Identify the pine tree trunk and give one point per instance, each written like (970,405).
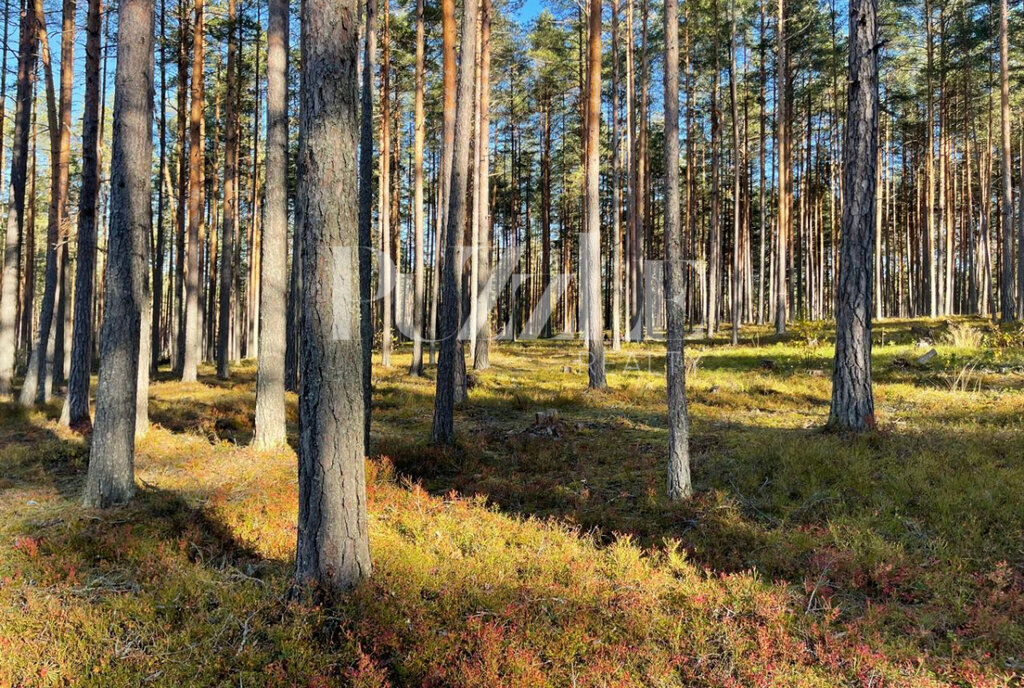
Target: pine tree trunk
(270,409)
(110,478)
(365,208)
(1007,308)
(481,355)
(229,226)
(419,123)
(853,406)
(384,214)
(38,384)
(455,220)
(782,159)
(28,53)
(333,545)
(679,484)
(590,242)
(77,403)
(196,204)
(616,190)
(737,171)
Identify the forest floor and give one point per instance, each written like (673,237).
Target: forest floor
(546,554)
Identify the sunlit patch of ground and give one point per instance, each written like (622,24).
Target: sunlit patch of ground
(535,555)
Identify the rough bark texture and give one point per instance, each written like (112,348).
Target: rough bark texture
(455,221)
(782,158)
(81,344)
(270,411)
(416,367)
(196,188)
(27,57)
(590,242)
(38,387)
(482,352)
(853,405)
(679,485)
(112,459)
(333,548)
(1007,308)
(366,206)
(229,226)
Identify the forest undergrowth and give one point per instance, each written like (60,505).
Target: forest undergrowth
(542,551)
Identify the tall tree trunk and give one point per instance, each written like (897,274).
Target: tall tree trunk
(183,189)
(365,207)
(156,329)
(28,53)
(38,383)
(110,478)
(62,333)
(715,239)
(196,191)
(333,543)
(853,405)
(455,220)
(230,223)
(481,356)
(81,346)
(590,242)
(679,484)
(782,158)
(270,409)
(384,214)
(616,189)
(737,153)
(1007,309)
(419,124)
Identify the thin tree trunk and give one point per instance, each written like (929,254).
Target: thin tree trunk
(38,384)
(230,223)
(616,190)
(419,124)
(455,220)
(590,242)
(384,213)
(481,355)
(77,403)
(782,158)
(365,235)
(28,52)
(196,203)
(1007,308)
(737,171)
(679,483)
(270,409)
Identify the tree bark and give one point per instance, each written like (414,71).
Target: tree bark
(229,226)
(110,478)
(782,158)
(419,124)
(1007,308)
(853,405)
(366,208)
(590,244)
(481,355)
(196,191)
(81,346)
(679,484)
(455,220)
(270,409)
(333,545)
(28,53)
